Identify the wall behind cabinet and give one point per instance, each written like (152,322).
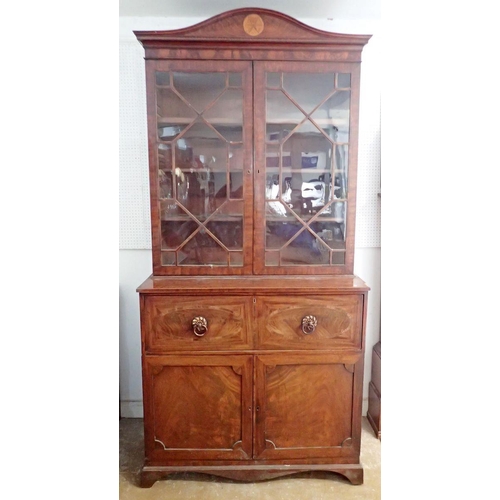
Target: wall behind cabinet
(135,237)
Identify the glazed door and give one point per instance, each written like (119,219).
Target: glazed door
(199,407)
(307,405)
(200,143)
(305,166)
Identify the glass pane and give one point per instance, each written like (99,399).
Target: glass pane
(278,234)
(168,258)
(235,158)
(332,233)
(165,182)
(313,194)
(236,185)
(162,78)
(235,80)
(306,169)
(309,149)
(229,233)
(333,116)
(308,89)
(305,249)
(201,168)
(231,208)
(334,210)
(236,259)
(170,210)
(175,232)
(272,258)
(272,157)
(282,116)
(272,187)
(341,158)
(201,147)
(340,186)
(338,258)
(343,80)
(200,89)
(173,114)
(273,79)
(165,171)
(226,115)
(201,192)
(202,250)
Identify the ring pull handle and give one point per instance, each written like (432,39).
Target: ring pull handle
(309,324)
(200,326)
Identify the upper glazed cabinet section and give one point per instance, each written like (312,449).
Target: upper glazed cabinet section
(253,141)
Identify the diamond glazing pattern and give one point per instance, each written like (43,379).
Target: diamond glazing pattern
(135,224)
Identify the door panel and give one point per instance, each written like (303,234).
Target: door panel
(307,405)
(200,407)
(305,167)
(200,141)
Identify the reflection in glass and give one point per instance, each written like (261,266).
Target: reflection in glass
(169,209)
(226,115)
(200,168)
(175,232)
(333,116)
(230,234)
(202,249)
(272,258)
(168,258)
(279,234)
(234,80)
(236,185)
(306,168)
(299,246)
(162,78)
(173,114)
(236,259)
(343,80)
(231,208)
(200,89)
(282,116)
(235,158)
(308,89)
(273,79)
(272,156)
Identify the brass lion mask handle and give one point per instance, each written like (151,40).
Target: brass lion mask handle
(200,326)
(309,324)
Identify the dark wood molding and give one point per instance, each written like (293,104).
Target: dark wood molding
(228,27)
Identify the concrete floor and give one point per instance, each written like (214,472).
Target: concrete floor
(198,486)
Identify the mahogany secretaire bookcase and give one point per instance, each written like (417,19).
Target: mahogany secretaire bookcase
(253,324)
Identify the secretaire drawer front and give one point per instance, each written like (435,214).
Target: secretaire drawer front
(310,323)
(196,323)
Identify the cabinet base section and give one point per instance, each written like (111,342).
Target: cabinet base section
(251,473)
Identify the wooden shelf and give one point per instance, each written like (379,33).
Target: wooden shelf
(163,121)
(306,170)
(277,218)
(203,218)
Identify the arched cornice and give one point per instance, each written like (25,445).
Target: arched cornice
(251,25)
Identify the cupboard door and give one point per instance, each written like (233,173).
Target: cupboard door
(200,142)
(305,166)
(308,406)
(199,407)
